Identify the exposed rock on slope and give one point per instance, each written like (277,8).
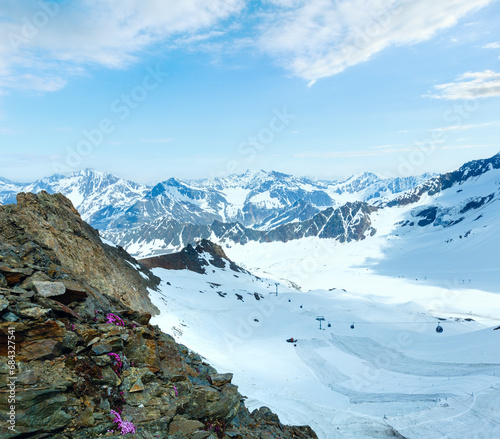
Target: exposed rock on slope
(441,182)
(196,259)
(88,366)
(349,222)
(50,225)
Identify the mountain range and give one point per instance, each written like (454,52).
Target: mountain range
(263,206)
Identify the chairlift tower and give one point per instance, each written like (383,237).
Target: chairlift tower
(277,284)
(320,319)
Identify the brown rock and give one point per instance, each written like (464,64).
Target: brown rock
(86,419)
(221,379)
(49,329)
(34,312)
(137,387)
(183,426)
(74,291)
(89,334)
(14,276)
(109,377)
(39,350)
(143,352)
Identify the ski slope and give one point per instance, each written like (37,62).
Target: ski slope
(391,373)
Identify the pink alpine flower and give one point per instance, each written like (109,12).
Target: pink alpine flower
(124,426)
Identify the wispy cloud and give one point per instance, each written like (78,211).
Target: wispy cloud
(319,38)
(467,127)
(492,46)
(471,85)
(59,38)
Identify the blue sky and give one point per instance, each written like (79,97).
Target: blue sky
(149,89)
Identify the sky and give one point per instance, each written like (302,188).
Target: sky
(153,89)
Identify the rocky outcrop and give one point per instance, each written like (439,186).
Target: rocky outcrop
(86,365)
(45,231)
(196,259)
(350,222)
(81,367)
(441,182)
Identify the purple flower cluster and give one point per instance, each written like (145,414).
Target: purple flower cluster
(112,318)
(124,426)
(118,360)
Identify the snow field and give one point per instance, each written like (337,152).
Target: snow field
(392,372)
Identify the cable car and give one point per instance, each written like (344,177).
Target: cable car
(439,329)
(352,326)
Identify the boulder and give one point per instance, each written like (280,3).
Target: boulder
(221,379)
(49,289)
(182,427)
(34,312)
(39,349)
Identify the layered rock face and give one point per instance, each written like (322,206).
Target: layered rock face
(45,231)
(84,364)
(195,259)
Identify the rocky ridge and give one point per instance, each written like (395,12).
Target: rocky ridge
(195,259)
(45,231)
(86,364)
(350,222)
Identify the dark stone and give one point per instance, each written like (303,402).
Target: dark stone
(69,341)
(36,410)
(101,348)
(10,317)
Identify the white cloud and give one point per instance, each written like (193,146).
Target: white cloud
(78,33)
(321,38)
(471,85)
(48,41)
(492,46)
(467,127)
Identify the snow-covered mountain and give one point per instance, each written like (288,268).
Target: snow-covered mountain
(99,197)
(171,213)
